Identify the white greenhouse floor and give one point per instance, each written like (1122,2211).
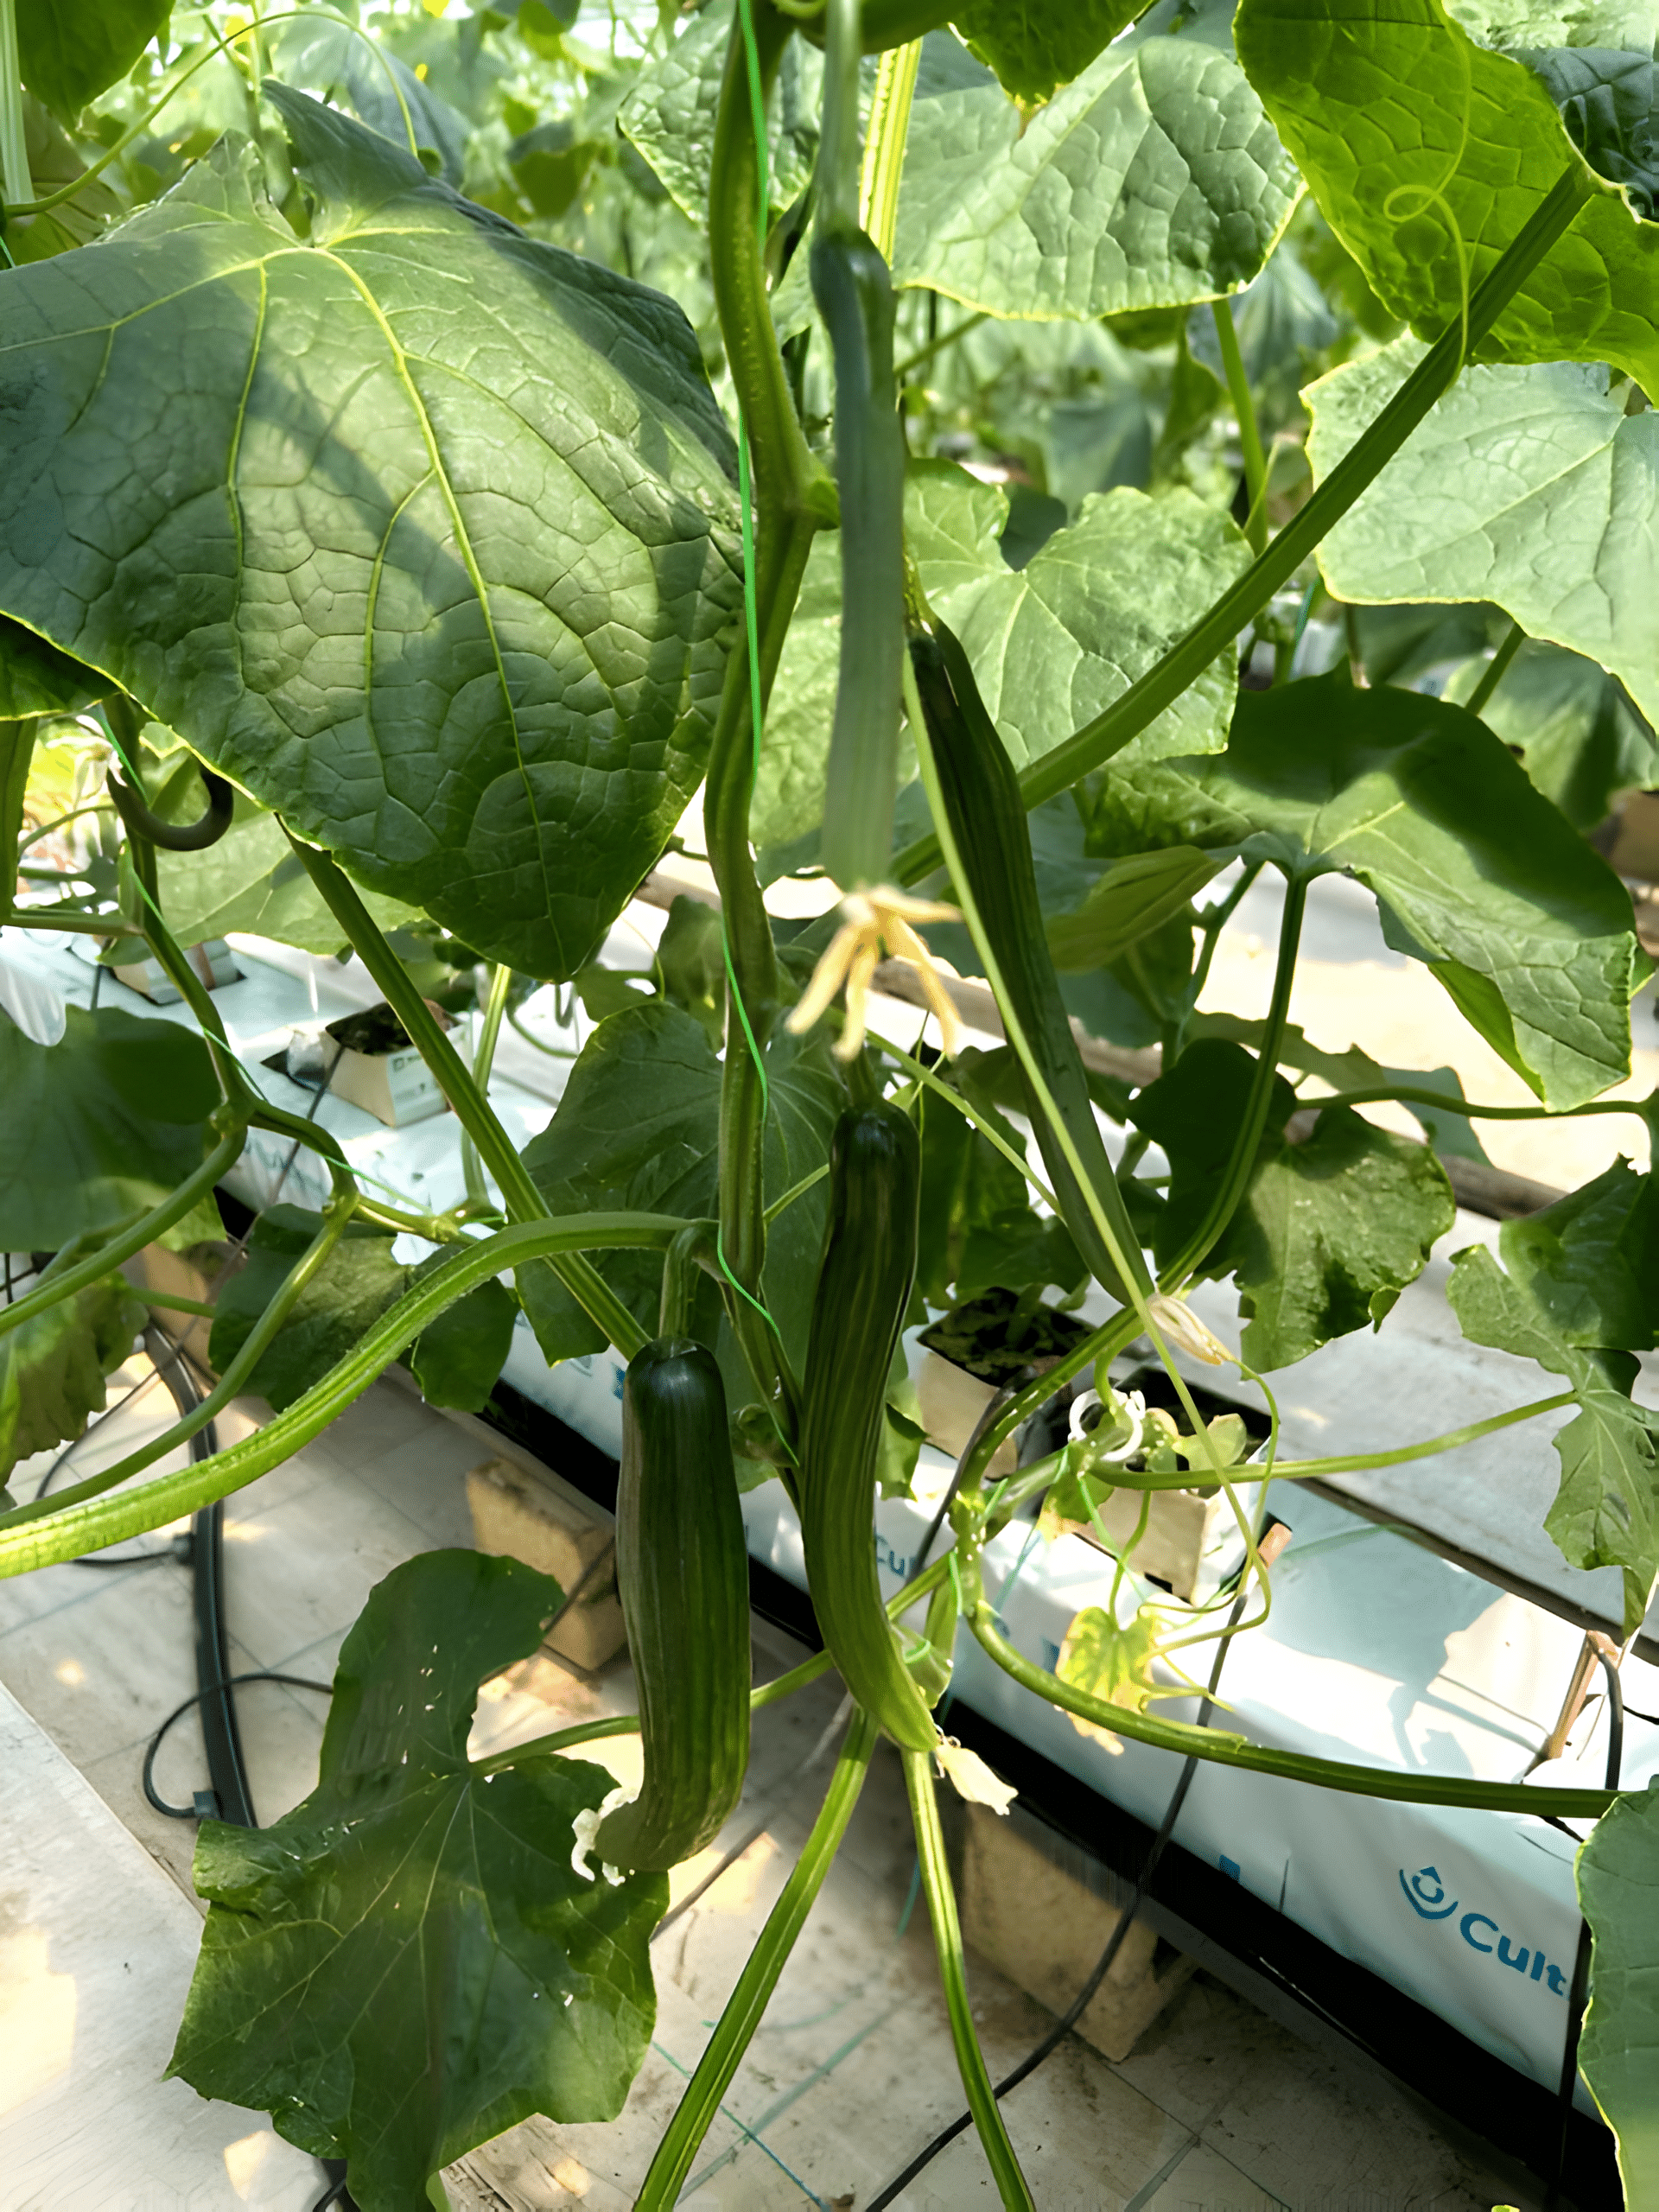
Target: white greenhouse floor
(1217,2109)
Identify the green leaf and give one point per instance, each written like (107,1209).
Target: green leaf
(690,954)
(479,658)
(16,752)
(1511,460)
(669,114)
(1153,179)
(1577,1293)
(252,879)
(1051,644)
(99,1126)
(345,1297)
(457,1358)
(52,1369)
(639,1127)
(978,1227)
(1580,739)
(71,50)
(1036,49)
(1135,896)
(1330,1230)
(1427,155)
(502,1982)
(35,678)
(1527,929)
(1447,1130)
(1617,1872)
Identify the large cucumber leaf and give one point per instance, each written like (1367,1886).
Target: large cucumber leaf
(1153,179)
(1331,1229)
(1577,1291)
(35,678)
(1051,644)
(421,532)
(99,1126)
(1042,45)
(424,1965)
(1527,929)
(1618,1874)
(1427,154)
(1511,460)
(69,51)
(669,114)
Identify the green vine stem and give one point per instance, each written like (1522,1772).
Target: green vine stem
(1493,675)
(1249,433)
(524,1201)
(1092,746)
(68,1532)
(1409,1095)
(1260,1758)
(1247,1138)
(495,1005)
(735,2028)
(947,1942)
(144,1229)
(336,1217)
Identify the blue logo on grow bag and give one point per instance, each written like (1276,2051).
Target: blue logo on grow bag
(1425,1893)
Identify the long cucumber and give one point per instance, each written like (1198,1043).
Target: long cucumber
(981,795)
(864,1286)
(682,1572)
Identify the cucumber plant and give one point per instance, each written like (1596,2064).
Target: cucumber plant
(1304,355)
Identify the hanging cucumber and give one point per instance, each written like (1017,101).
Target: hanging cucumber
(864,1285)
(682,1570)
(981,795)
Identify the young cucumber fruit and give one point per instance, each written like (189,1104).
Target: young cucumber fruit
(682,1572)
(864,1283)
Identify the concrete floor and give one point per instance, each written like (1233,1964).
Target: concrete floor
(852,2070)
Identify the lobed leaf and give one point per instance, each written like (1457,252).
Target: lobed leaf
(1428,154)
(53,1368)
(420,530)
(1578,1291)
(408,1962)
(1510,459)
(1618,1871)
(99,1126)
(1153,179)
(1528,930)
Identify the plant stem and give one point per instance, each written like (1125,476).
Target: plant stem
(947,1942)
(923,354)
(735,2029)
(133,1237)
(15,178)
(65,1534)
(1249,434)
(1411,1095)
(472,1167)
(1247,1139)
(1261,1758)
(1310,1470)
(1093,744)
(523,1200)
(1494,672)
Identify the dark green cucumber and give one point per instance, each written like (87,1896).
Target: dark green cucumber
(988,822)
(864,1285)
(682,1570)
